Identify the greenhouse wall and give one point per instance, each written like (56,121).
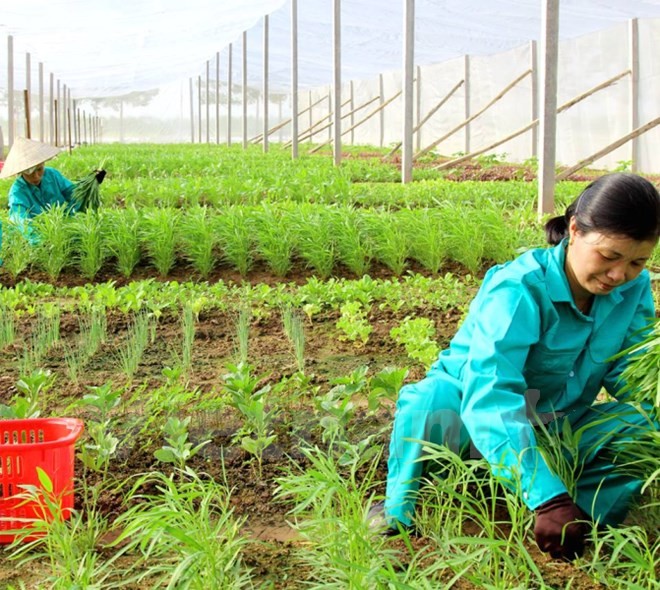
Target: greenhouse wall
(582,129)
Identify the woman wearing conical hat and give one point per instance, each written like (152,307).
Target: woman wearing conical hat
(37,187)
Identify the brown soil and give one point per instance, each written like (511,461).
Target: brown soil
(273,559)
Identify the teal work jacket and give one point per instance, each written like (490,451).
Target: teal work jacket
(525,336)
(26,200)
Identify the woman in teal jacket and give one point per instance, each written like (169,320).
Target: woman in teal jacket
(544,328)
(37,187)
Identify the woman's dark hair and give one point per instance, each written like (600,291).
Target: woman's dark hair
(618,204)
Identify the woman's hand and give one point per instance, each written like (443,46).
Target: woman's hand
(561,527)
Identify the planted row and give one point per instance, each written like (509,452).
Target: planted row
(323,238)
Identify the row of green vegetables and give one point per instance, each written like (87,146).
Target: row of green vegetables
(185,175)
(410,292)
(322,237)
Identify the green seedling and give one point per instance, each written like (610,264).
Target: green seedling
(417,335)
(32,387)
(179,449)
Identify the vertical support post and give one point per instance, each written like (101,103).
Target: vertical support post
(73,122)
(533,65)
(245,92)
(51,110)
(57,121)
(330,115)
(58,117)
(199,108)
(294,79)
(217,97)
(26,102)
(633,33)
(68,125)
(418,109)
(41,102)
(351,102)
(408,67)
(548,114)
(381,114)
(230,95)
(208,103)
(466,106)
(311,117)
(11,131)
(192,112)
(28,96)
(336,93)
(62,103)
(121,123)
(265,86)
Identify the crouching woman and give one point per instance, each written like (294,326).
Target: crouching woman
(550,322)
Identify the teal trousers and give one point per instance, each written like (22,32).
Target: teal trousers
(430,413)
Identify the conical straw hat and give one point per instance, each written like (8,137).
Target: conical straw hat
(24,154)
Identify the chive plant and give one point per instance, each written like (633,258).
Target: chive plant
(137,339)
(329,501)
(316,238)
(388,235)
(123,239)
(17,252)
(354,247)
(54,249)
(275,239)
(425,234)
(295,331)
(183,535)
(479,528)
(159,238)
(198,240)
(7,326)
(235,235)
(88,242)
(242,322)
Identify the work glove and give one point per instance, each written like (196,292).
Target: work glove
(556,530)
(100,175)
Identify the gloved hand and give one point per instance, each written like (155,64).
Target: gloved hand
(556,530)
(100,175)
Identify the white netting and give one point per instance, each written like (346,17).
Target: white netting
(150,50)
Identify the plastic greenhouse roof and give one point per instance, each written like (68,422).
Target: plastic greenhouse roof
(113,47)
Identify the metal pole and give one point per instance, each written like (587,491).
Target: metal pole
(10,91)
(381,88)
(230,96)
(294,78)
(51,110)
(192,113)
(467,108)
(351,106)
(217,97)
(408,73)
(245,93)
(265,87)
(208,105)
(336,102)
(633,29)
(548,118)
(533,58)
(28,96)
(199,108)
(41,102)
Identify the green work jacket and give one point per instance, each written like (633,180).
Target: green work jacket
(524,336)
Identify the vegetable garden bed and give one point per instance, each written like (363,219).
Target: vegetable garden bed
(237,420)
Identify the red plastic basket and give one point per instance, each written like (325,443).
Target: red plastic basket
(48,443)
